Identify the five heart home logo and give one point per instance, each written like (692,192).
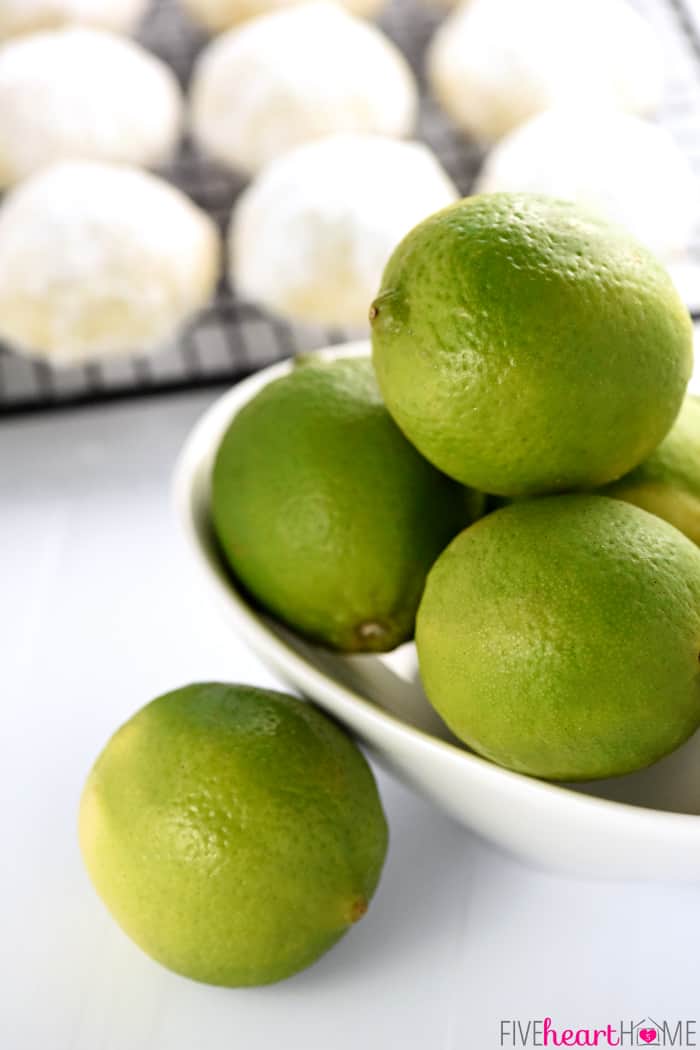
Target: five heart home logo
(543,1032)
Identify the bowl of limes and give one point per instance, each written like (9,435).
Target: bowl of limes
(473,542)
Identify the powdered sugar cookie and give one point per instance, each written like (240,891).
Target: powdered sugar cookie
(100,259)
(27,16)
(73,94)
(311,235)
(494,63)
(294,76)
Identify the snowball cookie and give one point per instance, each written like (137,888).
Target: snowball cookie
(631,170)
(310,236)
(218,15)
(27,16)
(297,75)
(494,63)
(72,94)
(100,259)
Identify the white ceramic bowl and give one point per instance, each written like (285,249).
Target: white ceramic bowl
(646,825)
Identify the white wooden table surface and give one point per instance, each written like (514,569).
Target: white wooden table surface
(98,614)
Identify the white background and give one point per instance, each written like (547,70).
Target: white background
(99,613)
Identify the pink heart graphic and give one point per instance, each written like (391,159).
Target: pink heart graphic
(647,1035)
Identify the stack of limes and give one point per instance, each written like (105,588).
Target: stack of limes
(529,348)
(522,348)
(525,348)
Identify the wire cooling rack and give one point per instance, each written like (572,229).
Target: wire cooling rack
(232,338)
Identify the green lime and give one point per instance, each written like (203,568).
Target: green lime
(524,345)
(559,637)
(326,513)
(234,833)
(668,482)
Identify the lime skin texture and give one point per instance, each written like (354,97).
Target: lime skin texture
(526,346)
(559,637)
(234,833)
(668,482)
(325,512)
